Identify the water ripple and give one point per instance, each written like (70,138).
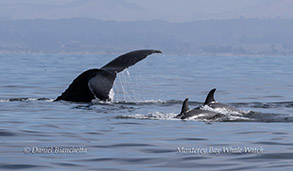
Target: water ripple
(189,139)
(154,151)
(273,143)
(265,157)
(6,133)
(124,160)
(123,145)
(19,166)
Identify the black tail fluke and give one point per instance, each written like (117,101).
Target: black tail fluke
(97,83)
(210,98)
(127,60)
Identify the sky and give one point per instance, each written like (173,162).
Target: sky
(130,10)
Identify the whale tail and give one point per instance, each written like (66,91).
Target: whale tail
(98,82)
(127,60)
(210,97)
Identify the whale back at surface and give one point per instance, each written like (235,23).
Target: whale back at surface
(214,109)
(211,102)
(197,112)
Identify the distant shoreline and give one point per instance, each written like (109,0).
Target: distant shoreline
(119,52)
(230,37)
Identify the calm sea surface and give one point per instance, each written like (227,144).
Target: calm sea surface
(137,131)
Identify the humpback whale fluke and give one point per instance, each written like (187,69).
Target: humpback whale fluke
(98,82)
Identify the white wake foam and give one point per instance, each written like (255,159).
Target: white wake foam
(151,116)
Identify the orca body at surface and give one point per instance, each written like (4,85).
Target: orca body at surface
(196,113)
(97,83)
(212,103)
(211,109)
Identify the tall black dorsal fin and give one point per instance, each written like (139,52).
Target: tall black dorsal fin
(98,82)
(127,60)
(185,107)
(210,98)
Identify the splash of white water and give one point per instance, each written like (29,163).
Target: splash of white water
(151,116)
(111,94)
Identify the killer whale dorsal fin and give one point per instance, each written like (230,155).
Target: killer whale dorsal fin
(210,97)
(185,107)
(127,60)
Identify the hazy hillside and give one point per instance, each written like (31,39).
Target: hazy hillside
(237,36)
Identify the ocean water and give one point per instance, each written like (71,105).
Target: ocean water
(137,130)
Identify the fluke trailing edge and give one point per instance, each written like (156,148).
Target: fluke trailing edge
(97,83)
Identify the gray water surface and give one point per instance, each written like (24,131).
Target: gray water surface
(137,131)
